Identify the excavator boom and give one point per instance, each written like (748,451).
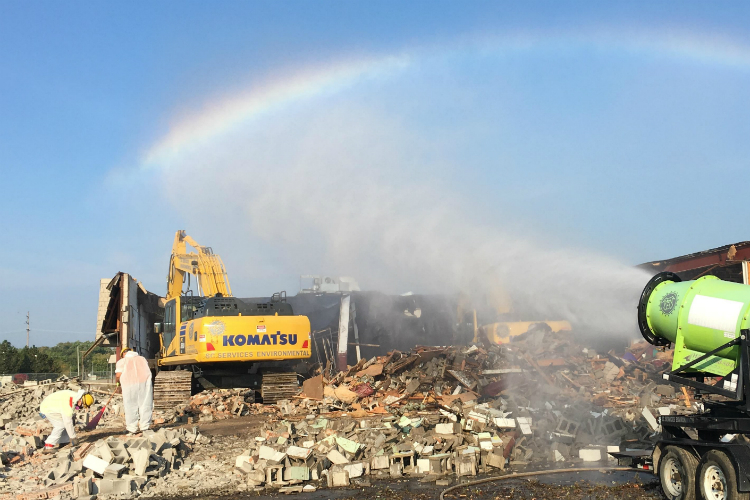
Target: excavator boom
(204,264)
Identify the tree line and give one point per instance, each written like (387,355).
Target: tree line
(57,359)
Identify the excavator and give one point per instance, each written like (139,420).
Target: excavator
(491,319)
(216,340)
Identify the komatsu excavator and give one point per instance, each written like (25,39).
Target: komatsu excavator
(216,340)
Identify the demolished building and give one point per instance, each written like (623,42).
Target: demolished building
(728,262)
(126,315)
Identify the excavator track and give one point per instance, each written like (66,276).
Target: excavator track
(172,388)
(278,386)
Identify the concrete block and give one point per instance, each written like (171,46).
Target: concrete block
(347,445)
(466,465)
(524,423)
(449,428)
(297,473)
(274,475)
(95,463)
(337,458)
(354,470)
(298,453)
(244,466)
(397,469)
(505,423)
(106,487)
(496,460)
(274,457)
(113,471)
(340,478)
(380,462)
(590,455)
(141,458)
(423,466)
(257,476)
(104,452)
(121,486)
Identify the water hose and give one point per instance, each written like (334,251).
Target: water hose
(517,475)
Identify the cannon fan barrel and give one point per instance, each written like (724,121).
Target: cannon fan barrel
(697,316)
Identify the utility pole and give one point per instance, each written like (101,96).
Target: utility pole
(27,329)
(78,363)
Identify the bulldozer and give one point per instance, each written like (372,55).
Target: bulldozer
(215,340)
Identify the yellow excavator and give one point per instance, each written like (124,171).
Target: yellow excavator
(491,319)
(216,340)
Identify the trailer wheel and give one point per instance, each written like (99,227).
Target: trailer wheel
(717,478)
(677,473)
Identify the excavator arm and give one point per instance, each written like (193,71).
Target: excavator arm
(204,264)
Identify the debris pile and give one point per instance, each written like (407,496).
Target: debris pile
(23,430)
(438,412)
(434,413)
(215,404)
(121,466)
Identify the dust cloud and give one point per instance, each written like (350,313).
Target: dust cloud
(355,193)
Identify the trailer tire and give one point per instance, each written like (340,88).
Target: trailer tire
(677,468)
(717,478)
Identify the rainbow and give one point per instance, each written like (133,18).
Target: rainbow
(224,116)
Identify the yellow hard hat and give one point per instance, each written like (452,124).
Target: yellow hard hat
(87,400)
(124,350)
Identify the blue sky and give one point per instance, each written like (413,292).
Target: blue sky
(612,130)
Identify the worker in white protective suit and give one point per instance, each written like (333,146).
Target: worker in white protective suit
(59,408)
(134,376)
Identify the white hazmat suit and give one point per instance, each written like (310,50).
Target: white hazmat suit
(137,391)
(58,409)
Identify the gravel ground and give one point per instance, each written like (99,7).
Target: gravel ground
(586,486)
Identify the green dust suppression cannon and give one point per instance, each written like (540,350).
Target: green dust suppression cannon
(698,317)
(706,453)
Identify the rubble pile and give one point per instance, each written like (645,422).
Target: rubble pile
(23,430)
(120,466)
(434,413)
(456,411)
(215,404)
(18,404)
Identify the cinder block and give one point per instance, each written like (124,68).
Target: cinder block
(397,469)
(298,453)
(121,487)
(297,473)
(336,457)
(380,462)
(354,470)
(590,455)
(496,460)
(340,478)
(449,428)
(141,458)
(96,464)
